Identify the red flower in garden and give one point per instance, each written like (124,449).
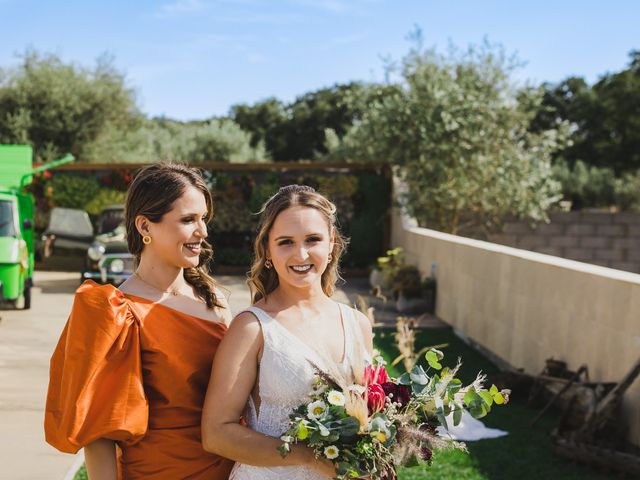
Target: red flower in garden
(376,398)
(47,174)
(375,375)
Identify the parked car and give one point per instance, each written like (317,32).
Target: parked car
(108,258)
(102,257)
(68,235)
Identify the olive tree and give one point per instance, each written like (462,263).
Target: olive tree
(59,107)
(457,130)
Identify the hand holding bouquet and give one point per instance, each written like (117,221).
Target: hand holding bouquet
(370,423)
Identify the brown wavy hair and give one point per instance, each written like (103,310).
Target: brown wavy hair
(261,280)
(152,194)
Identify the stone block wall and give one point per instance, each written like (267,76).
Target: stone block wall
(525,307)
(601,238)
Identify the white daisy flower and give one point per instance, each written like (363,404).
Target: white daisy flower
(316,409)
(336,398)
(331,452)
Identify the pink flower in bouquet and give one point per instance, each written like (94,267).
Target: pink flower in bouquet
(376,398)
(375,375)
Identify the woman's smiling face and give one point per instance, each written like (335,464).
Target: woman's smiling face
(178,237)
(299,246)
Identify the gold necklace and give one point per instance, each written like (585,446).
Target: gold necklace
(174,291)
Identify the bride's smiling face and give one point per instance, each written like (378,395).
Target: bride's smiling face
(299,245)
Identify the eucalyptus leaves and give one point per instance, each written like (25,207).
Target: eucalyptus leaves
(369,427)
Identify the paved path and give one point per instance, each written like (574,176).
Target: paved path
(27,340)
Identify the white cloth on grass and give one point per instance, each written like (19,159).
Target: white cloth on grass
(469,429)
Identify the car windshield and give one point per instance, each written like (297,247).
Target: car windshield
(70,222)
(7,223)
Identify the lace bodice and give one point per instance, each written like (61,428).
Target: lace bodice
(285,379)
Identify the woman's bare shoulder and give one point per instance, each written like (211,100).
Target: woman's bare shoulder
(246,320)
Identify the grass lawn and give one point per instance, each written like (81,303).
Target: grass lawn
(524,454)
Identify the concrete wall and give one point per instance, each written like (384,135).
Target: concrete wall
(526,307)
(601,238)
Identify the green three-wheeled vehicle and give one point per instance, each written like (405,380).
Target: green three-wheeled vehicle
(17,248)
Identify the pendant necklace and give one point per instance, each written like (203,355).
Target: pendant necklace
(175,291)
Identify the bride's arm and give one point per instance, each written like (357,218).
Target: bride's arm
(233,377)
(366,331)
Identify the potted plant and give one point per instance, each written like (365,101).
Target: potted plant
(411,293)
(382,274)
(406,282)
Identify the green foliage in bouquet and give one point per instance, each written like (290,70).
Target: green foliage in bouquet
(374,423)
(448,392)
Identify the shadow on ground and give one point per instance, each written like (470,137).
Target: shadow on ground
(59,286)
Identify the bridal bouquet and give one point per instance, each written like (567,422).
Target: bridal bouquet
(370,423)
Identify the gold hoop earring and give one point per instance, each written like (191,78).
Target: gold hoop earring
(268,264)
(330,258)
(146,239)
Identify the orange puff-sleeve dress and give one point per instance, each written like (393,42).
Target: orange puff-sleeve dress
(136,372)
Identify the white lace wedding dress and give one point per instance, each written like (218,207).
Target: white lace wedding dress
(285,379)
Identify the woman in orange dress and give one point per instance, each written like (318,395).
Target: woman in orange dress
(130,371)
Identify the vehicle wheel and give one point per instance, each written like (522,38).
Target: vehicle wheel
(27,297)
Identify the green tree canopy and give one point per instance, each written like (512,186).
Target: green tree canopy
(605,117)
(297,131)
(457,128)
(60,108)
(215,140)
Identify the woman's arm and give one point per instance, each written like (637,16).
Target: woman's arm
(100,458)
(233,377)
(366,330)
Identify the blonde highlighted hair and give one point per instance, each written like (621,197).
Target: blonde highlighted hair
(261,280)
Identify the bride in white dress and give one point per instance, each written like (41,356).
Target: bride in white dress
(264,367)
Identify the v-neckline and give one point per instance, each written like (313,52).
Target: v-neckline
(309,348)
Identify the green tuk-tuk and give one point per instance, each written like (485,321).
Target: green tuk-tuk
(17,247)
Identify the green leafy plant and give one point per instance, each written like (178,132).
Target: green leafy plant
(71,191)
(104,198)
(406,280)
(390,264)
(369,423)
(456,129)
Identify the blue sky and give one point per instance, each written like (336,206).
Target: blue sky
(193,59)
